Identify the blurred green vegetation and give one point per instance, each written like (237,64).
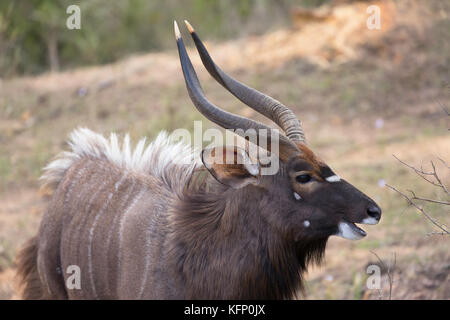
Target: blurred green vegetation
(34,37)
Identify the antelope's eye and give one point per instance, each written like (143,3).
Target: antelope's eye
(303,178)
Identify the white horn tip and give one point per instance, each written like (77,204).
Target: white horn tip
(177,30)
(188,25)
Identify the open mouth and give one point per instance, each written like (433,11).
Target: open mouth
(349,230)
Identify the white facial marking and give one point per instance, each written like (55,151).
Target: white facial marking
(349,231)
(334,178)
(306,223)
(370,220)
(297,196)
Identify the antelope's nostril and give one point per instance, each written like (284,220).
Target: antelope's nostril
(374,211)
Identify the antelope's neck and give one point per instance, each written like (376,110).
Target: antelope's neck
(224,249)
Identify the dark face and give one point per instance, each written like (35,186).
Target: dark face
(319,203)
(304,200)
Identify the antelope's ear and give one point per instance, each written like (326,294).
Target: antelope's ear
(231,166)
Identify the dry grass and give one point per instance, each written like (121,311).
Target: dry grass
(397,76)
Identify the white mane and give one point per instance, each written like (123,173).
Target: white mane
(159,158)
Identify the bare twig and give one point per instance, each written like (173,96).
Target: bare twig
(436,176)
(424,175)
(436,234)
(426,215)
(444,163)
(433,178)
(390,270)
(414,197)
(443,107)
(391,274)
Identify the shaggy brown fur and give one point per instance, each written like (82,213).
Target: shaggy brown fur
(27,272)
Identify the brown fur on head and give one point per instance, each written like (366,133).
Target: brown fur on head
(309,197)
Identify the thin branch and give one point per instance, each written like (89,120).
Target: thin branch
(443,107)
(412,203)
(391,274)
(414,197)
(389,271)
(444,163)
(380,291)
(421,173)
(435,234)
(436,176)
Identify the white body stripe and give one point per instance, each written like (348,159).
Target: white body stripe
(122,224)
(117,216)
(147,257)
(91,232)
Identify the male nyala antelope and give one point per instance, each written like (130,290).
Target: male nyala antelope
(145,225)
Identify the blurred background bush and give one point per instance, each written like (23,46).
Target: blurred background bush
(34,37)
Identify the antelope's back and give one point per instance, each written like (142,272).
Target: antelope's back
(107,219)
